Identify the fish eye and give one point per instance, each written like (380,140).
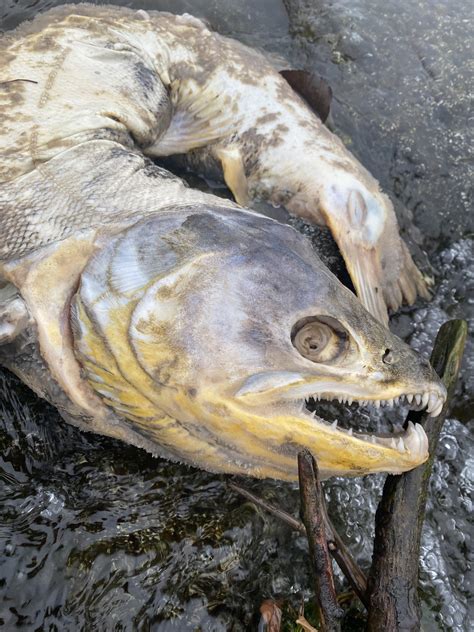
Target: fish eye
(319,338)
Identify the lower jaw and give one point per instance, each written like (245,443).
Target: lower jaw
(283,434)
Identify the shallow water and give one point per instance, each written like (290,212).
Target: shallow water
(96,535)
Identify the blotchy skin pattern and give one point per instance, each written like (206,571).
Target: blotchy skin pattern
(166,317)
(162,84)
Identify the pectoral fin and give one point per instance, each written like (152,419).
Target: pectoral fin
(234,172)
(14,316)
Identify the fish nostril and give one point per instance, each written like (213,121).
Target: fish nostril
(388,357)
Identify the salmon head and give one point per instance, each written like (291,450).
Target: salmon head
(208,329)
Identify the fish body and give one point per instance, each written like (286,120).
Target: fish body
(164,316)
(168,85)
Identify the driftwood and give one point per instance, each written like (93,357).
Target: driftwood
(343,558)
(303,623)
(336,546)
(393,581)
(312,501)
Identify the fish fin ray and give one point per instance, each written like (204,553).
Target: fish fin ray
(234,172)
(408,284)
(14,316)
(200,118)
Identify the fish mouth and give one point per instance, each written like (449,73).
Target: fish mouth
(412,440)
(432,400)
(365,451)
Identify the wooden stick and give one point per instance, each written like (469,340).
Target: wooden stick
(344,559)
(336,546)
(311,494)
(279,513)
(393,580)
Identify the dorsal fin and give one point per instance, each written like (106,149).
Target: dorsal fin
(312,88)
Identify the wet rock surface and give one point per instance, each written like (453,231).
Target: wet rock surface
(98,535)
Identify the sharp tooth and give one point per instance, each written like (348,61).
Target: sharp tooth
(416,441)
(372,439)
(349,400)
(433,403)
(418,399)
(377,403)
(340,400)
(400,445)
(390,402)
(409,398)
(425,399)
(393,444)
(437,410)
(334,425)
(396,400)
(349,432)
(424,443)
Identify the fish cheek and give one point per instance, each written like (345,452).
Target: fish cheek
(155,349)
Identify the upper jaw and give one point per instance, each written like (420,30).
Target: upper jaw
(278,387)
(431,398)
